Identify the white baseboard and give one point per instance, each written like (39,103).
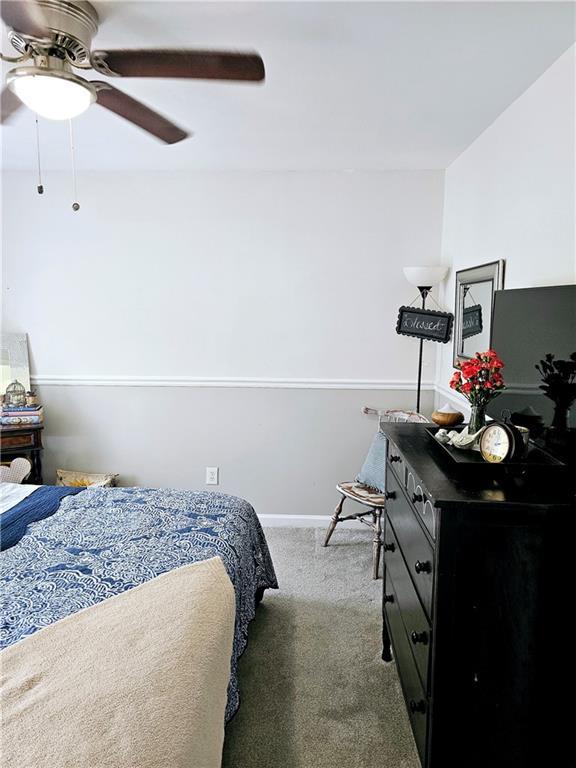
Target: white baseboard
(300,521)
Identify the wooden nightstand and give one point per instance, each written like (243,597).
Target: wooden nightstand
(23,441)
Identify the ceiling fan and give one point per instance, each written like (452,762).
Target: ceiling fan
(56,37)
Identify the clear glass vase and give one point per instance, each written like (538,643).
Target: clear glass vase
(477,418)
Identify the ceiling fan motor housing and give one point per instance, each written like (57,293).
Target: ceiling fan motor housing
(72,24)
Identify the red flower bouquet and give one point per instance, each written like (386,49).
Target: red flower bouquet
(479,380)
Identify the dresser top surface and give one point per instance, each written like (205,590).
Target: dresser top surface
(21,427)
(451,485)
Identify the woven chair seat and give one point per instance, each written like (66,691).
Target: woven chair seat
(362,493)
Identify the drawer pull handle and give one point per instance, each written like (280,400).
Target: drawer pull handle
(390,547)
(417,498)
(394,458)
(390,495)
(417,706)
(419,637)
(425,567)
(388,598)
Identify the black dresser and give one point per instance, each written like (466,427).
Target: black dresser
(479,607)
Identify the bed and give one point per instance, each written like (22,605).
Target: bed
(83,548)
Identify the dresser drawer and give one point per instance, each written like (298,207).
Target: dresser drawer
(420,501)
(416,701)
(417,550)
(396,461)
(415,622)
(25,440)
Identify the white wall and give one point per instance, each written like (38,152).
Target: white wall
(511,194)
(267,280)
(270,275)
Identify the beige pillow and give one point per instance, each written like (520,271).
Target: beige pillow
(78,479)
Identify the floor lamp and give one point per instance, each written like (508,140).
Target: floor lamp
(424,278)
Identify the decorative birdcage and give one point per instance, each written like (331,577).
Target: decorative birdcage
(15,396)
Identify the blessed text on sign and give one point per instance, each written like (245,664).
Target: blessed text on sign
(425,324)
(471,321)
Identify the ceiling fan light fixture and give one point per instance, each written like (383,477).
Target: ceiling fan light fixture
(53,95)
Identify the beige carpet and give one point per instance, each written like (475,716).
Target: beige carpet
(314,690)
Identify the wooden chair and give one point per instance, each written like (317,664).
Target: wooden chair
(369,488)
(15,472)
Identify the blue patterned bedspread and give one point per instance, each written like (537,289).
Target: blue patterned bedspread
(104,541)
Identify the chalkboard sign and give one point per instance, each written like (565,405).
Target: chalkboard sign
(425,324)
(471,321)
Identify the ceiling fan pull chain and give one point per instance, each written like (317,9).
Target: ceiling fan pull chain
(40,187)
(75,204)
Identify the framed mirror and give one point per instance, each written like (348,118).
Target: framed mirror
(473,308)
(14,360)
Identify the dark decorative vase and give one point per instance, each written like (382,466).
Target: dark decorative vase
(561,415)
(477,418)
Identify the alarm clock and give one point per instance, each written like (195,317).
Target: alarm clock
(501,441)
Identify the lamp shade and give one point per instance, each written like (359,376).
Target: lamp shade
(425,276)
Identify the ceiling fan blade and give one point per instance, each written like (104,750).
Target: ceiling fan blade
(25,16)
(139,114)
(196,65)
(9,103)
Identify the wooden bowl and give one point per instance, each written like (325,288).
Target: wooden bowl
(451,419)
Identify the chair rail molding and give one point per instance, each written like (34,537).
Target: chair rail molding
(72,380)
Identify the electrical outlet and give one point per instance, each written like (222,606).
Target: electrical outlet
(211,475)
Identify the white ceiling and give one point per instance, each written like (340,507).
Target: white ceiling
(350,85)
